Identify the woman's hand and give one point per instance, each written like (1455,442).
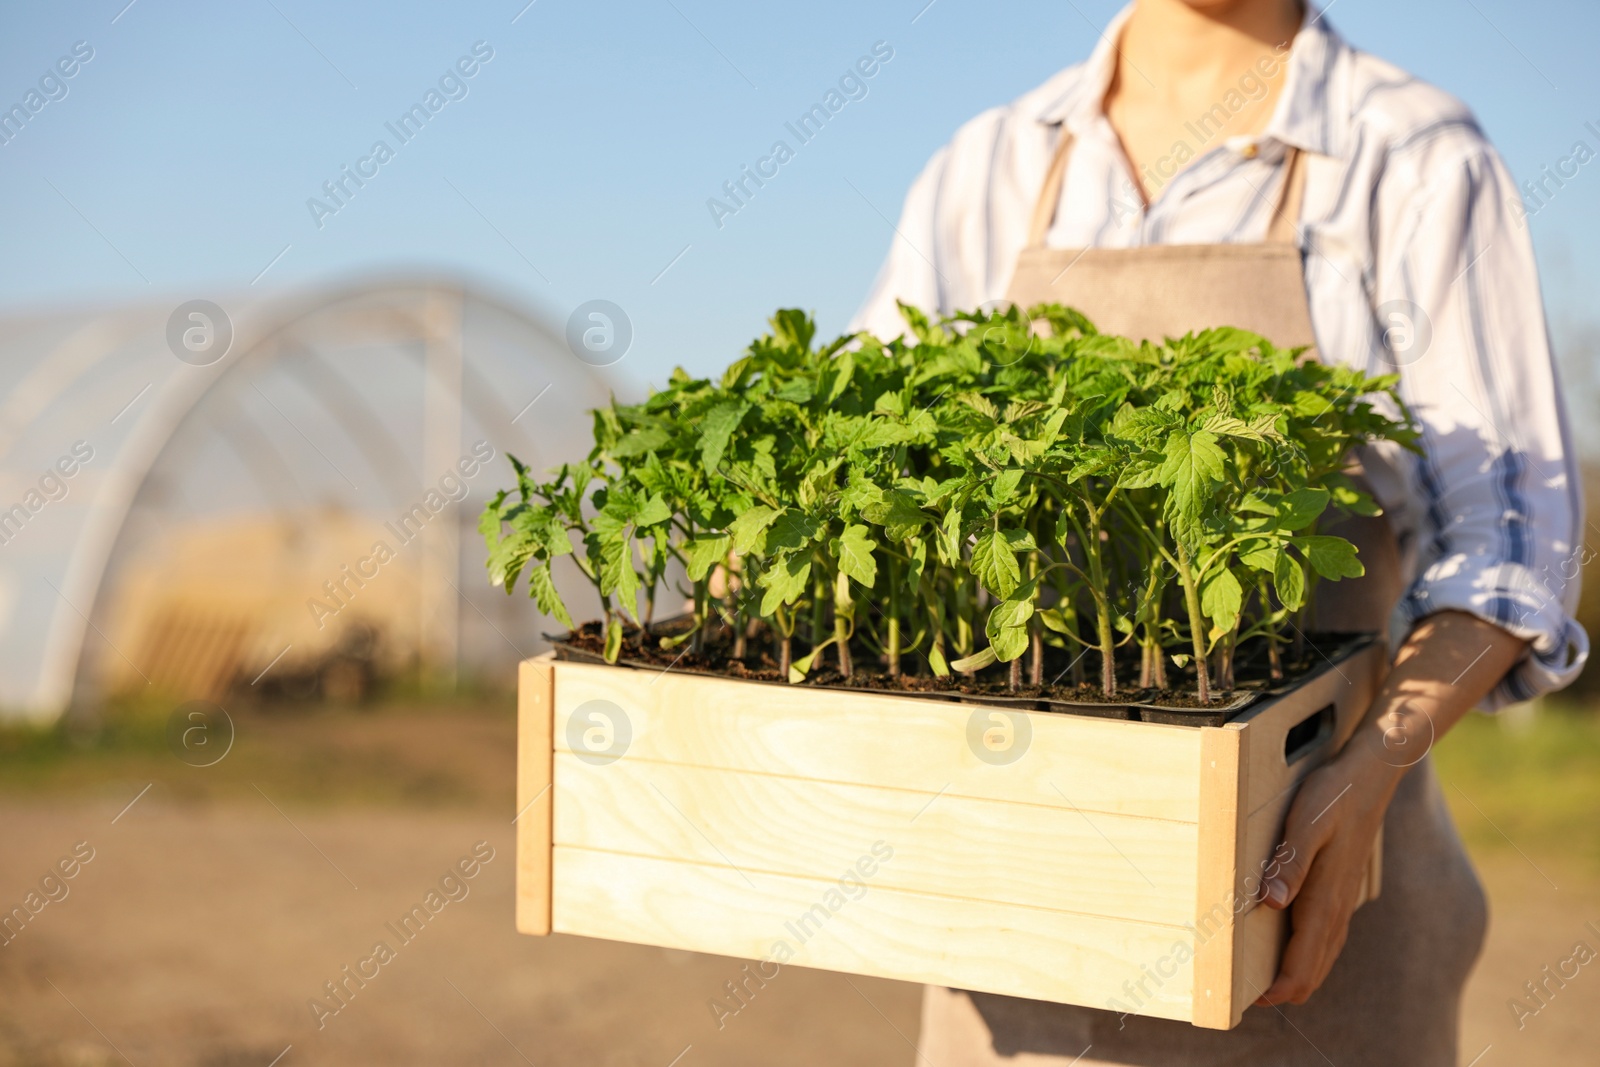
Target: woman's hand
(1447,665)
(1333,825)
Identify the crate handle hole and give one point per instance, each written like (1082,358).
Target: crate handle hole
(1306,735)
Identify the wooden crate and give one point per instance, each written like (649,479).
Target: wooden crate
(1063,858)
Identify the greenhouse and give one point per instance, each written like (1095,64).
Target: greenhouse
(275,494)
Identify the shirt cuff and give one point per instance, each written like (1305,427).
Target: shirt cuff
(1514,598)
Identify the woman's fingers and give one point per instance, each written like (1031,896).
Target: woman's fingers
(1303,839)
(1316,874)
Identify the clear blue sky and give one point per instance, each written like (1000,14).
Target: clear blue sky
(579,164)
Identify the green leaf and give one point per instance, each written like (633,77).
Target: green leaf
(950,535)
(542,587)
(1193,464)
(1019,540)
(854,552)
(1289,580)
(613,640)
(1053,619)
(1331,557)
(748,528)
(793,529)
(784,582)
(897,512)
(798,669)
(705,553)
(937,662)
(1007,626)
(1140,476)
(1004,486)
(1259,555)
(653,512)
(796,390)
(1352,499)
(716,429)
(995,565)
(1221,597)
(1301,508)
(617,576)
(975,662)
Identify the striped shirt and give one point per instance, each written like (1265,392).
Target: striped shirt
(1417,260)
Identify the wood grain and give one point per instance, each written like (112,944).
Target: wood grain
(1223,786)
(1045,854)
(536,683)
(1349,686)
(1101,765)
(892,933)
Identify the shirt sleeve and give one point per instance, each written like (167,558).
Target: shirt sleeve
(1498,498)
(909,273)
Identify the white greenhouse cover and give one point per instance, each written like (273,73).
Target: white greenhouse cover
(360,402)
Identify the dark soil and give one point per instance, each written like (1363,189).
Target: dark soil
(988,686)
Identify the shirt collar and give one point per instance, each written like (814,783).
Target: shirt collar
(1303,116)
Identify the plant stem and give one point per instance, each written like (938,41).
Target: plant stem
(819,591)
(1197,635)
(1108,651)
(781,631)
(1104,635)
(1274,658)
(841,621)
(1014,676)
(739,623)
(894,618)
(1035,631)
(963,617)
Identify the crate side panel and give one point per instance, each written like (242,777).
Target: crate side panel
(1225,762)
(535,750)
(1349,685)
(887,933)
(1263,930)
(1096,765)
(1045,855)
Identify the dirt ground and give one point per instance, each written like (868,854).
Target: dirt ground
(215,908)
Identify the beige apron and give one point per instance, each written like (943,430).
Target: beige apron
(1394,995)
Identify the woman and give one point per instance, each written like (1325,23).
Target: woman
(1235,162)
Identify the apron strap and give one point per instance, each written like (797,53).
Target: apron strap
(1044,210)
(1280,230)
(1287,214)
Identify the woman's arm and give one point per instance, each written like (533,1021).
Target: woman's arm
(1447,666)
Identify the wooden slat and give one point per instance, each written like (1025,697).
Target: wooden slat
(1099,765)
(1043,855)
(884,932)
(1349,685)
(1224,767)
(1264,930)
(535,715)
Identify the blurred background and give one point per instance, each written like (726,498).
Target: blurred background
(257,379)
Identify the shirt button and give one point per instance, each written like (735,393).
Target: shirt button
(1250,151)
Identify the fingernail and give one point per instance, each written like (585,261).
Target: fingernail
(1277,893)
